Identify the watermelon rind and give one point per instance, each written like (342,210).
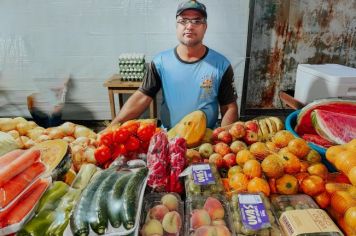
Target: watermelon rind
(304,123)
(335,127)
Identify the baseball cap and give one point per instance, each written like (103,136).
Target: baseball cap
(191,5)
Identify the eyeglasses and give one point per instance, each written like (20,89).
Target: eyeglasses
(192,21)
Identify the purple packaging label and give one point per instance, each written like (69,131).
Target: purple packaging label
(202,174)
(253,212)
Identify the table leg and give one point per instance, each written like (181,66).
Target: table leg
(112,104)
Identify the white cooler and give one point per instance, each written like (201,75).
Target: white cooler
(324,81)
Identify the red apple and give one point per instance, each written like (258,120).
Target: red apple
(216,132)
(222,149)
(225,137)
(250,137)
(252,125)
(237,130)
(216,159)
(237,146)
(229,160)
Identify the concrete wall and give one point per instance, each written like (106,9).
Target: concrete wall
(43,41)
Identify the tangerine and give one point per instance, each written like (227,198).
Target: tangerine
(313,185)
(287,184)
(291,163)
(238,182)
(252,168)
(243,156)
(272,166)
(298,147)
(282,138)
(258,185)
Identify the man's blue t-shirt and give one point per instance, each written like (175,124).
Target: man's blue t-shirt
(189,86)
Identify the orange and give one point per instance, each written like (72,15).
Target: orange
(242,156)
(287,184)
(345,160)
(272,166)
(313,185)
(319,170)
(350,217)
(332,152)
(282,138)
(272,146)
(238,182)
(291,163)
(233,170)
(252,168)
(258,185)
(323,200)
(298,147)
(352,175)
(259,150)
(341,201)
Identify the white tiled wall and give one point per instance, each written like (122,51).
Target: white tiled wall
(83,39)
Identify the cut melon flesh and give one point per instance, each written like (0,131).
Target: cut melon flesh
(335,127)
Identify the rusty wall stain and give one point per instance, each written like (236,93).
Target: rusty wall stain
(288,32)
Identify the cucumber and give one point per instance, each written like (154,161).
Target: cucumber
(98,216)
(114,202)
(129,198)
(79,223)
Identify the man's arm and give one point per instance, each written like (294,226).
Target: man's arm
(133,107)
(229,113)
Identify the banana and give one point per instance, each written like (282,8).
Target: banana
(264,129)
(271,125)
(278,122)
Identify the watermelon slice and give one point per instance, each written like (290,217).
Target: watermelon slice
(304,122)
(318,140)
(335,127)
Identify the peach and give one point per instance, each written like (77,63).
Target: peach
(172,222)
(170,201)
(200,217)
(157,212)
(206,230)
(214,208)
(218,222)
(152,227)
(222,230)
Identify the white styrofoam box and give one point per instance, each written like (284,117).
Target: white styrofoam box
(323,81)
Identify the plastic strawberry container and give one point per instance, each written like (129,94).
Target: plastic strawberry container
(204,215)
(155,209)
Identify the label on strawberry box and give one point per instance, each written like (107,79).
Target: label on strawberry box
(253,212)
(202,174)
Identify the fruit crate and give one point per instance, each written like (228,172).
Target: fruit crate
(290,123)
(162,212)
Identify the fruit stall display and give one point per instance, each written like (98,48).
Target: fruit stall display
(192,181)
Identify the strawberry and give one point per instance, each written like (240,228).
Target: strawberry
(146,131)
(132,144)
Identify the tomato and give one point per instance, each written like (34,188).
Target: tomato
(121,135)
(131,125)
(132,144)
(102,154)
(106,139)
(146,131)
(118,150)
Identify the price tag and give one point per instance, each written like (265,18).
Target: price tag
(253,212)
(202,174)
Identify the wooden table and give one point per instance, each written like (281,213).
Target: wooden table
(116,86)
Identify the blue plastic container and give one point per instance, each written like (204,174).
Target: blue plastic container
(290,123)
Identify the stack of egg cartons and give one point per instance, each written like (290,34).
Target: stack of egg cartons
(132,66)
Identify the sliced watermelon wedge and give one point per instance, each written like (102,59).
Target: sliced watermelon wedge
(333,126)
(304,122)
(318,140)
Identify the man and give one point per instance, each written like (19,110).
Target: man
(192,76)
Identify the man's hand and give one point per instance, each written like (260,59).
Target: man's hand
(229,113)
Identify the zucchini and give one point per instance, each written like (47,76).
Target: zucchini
(52,196)
(62,213)
(84,175)
(79,220)
(114,202)
(129,198)
(98,216)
